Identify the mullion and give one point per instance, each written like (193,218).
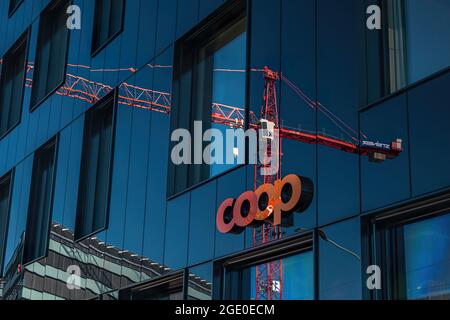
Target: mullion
(51,44)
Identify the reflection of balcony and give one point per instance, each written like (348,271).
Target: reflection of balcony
(104,269)
(198,288)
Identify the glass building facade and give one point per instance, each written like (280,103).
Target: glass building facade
(92,207)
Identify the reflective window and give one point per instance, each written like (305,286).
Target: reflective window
(228,88)
(288,278)
(427,37)
(50,65)
(274,275)
(108,22)
(427,259)
(413,44)
(200,282)
(413,251)
(12,84)
(40,205)
(5,203)
(94,189)
(210,89)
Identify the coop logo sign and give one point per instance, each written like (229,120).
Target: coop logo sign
(272,203)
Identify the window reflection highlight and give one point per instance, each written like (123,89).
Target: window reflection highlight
(427,259)
(285,278)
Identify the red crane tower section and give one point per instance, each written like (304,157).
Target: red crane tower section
(269,276)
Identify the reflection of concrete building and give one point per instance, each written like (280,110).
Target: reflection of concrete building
(103,268)
(86,118)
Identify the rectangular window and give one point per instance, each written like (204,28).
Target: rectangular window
(51,54)
(41,202)
(210,89)
(13,6)
(414,43)
(108,22)
(94,190)
(12,84)
(5,204)
(412,249)
(283,272)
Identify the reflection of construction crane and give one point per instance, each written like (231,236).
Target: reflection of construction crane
(269,276)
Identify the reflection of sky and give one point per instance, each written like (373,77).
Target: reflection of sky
(428,37)
(427,255)
(298,279)
(229,87)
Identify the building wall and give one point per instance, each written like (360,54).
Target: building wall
(320,45)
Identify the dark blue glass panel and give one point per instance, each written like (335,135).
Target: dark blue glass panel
(202,223)
(383,183)
(24,198)
(11,244)
(207,7)
(43,120)
(265,48)
(340,55)
(61,175)
(119,180)
(147,31)
(128,54)
(3,19)
(340,270)
(231,185)
(430,133)
(165,30)
(187,15)
(298,92)
(113,64)
(427,259)
(137,170)
(10,159)
(177,232)
(70,202)
(155,209)
(79,61)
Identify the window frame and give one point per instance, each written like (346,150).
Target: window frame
(54,4)
(95,51)
(185,54)
(111,97)
(381,239)
(52,143)
(6,178)
(12,9)
(284,248)
(24,39)
(182,276)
